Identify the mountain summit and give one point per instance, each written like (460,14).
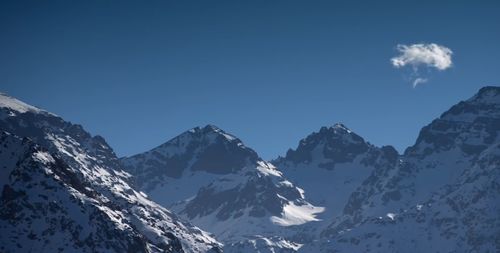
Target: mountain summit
(330,145)
(207,149)
(329,164)
(211,178)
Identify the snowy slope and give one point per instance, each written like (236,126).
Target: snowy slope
(63,190)
(221,185)
(256,201)
(460,217)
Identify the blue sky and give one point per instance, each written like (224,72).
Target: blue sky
(270,72)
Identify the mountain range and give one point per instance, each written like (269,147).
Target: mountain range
(204,190)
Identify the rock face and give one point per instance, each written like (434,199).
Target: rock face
(64,191)
(221,185)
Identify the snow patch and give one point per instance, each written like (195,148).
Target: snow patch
(268,169)
(297,214)
(391,216)
(44,157)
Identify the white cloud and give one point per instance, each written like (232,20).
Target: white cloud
(429,55)
(418,56)
(418,81)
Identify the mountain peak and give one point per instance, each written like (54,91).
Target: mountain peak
(330,145)
(337,129)
(206,128)
(210,127)
(487,95)
(484,104)
(17,106)
(468,125)
(212,130)
(208,149)
(341,126)
(207,136)
(336,132)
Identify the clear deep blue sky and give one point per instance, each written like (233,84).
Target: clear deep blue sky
(270,72)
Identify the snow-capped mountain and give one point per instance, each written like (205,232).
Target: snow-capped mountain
(442,195)
(187,162)
(331,163)
(63,191)
(221,186)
